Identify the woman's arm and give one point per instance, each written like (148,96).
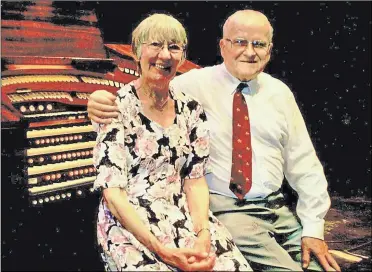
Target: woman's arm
(122,209)
(195,185)
(198,202)
(197,195)
(112,178)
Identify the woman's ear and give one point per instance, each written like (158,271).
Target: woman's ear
(138,64)
(183,58)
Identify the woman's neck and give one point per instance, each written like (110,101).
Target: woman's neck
(156,94)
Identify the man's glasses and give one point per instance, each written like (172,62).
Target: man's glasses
(242,44)
(173,48)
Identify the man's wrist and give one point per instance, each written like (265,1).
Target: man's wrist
(304,237)
(313,229)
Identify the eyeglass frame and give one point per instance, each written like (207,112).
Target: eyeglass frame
(233,42)
(158,49)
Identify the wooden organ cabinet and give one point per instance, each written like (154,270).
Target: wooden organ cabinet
(53,58)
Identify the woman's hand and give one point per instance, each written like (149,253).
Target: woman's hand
(178,257)
(202,244)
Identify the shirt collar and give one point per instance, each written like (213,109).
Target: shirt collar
(234,82)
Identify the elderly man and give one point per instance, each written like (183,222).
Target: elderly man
(258,137)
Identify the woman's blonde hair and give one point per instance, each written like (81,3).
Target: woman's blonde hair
(158,27)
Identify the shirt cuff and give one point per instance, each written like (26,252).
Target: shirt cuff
(313,229)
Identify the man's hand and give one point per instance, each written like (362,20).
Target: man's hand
(319,249)
(178,257)
(102,107)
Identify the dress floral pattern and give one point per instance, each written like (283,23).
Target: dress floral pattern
(152,163)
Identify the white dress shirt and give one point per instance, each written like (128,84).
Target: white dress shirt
(280,141)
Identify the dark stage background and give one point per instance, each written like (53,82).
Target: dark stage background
(321,50)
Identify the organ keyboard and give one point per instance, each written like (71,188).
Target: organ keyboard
(58,131)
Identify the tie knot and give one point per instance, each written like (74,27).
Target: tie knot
(241,86)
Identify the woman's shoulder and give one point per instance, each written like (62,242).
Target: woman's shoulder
(127,99)
(183,97)
(190,108)
(186,99)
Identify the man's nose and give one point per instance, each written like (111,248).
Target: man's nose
(249,50)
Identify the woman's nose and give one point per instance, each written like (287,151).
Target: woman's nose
(164,53)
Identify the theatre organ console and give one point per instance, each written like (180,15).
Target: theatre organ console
(48,72)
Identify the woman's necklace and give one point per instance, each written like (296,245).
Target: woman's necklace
(160,107)
(159,103)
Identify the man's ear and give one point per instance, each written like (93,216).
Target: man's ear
(222,44)
(270,48)
(222,47)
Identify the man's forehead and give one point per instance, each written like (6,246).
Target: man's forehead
(249,22)
(252,16)
(248,29)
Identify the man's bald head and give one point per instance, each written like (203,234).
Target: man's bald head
(246,44)
(247,17)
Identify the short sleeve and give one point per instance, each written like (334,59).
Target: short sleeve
(109,155)
(197,164)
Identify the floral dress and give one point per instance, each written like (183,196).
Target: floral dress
(152,163)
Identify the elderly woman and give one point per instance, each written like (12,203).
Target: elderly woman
(151,161)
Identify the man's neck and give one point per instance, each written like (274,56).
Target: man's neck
(246,80)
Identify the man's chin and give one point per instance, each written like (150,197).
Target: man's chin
(250,75)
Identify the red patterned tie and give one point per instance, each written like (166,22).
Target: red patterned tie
(241,169)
